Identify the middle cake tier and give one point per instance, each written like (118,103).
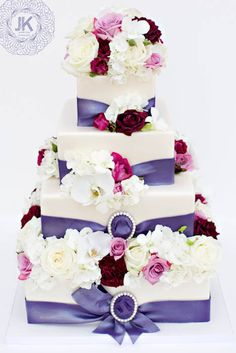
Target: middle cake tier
(169,205)
(150,153)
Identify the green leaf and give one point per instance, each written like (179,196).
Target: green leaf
(54,147)
(182,229)
(146,42)
(190,242)
(131,42)
(147,127)
(92,74)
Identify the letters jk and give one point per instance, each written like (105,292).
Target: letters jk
(22,23)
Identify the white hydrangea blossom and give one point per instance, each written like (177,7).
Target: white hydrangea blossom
(49,165)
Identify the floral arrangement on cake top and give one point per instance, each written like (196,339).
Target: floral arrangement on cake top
(129,114)
(102,178)
(116,43)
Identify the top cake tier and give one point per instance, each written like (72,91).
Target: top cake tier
(100,94)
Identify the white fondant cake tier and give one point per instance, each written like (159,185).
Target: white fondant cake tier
(103,89)
(157,202)
(138,148)
(144,292)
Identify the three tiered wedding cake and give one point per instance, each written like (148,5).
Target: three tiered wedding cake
(115,231)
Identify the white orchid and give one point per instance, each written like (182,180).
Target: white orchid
(134,29)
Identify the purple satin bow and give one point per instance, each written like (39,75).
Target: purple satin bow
(94,305)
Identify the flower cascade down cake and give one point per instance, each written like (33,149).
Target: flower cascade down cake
(115,232)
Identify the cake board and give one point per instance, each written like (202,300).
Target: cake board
(217,332)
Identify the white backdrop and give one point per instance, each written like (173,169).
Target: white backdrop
(198,86)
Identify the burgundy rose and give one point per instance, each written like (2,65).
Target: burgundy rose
(180,147)
(201,198)
(122,168)
(104,50)
(154,34)
(41,156)
(99,66)
(113,271)
(100,122)
(34,211)
(130,121)
(204,227)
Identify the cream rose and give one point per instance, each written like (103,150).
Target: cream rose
(136,256)
(136,56)
(81,52)
(58,259)
(205,253)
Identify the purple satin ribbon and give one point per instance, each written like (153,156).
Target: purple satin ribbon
(93,305)
(156,172)
(57,226)
(87,109)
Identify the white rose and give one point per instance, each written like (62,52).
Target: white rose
(135,58)
(205,253)
(136,256)
(49,165)
(84,26)
(58,259)
(81,52)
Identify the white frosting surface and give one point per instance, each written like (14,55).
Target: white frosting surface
(103,89)
(157,202)
(144,293)
(140,147)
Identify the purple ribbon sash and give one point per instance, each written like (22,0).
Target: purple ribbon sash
(58,225)
(156,172)
(87,109)
(93,305)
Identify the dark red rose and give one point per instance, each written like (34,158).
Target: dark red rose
(113,271)
(130,121)
(122,168)
(100,122)
(201,198)
(34,211)
(99,66)
(41,156)
(204,227)
(154,34)
(180,147)
(104,50)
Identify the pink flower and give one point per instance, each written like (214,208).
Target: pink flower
(24,266)
(180,146)
(184,161)
(154,61)
(118,247)
(41,156)
(100,122)
(122,168)
(99,66)
(201,198)
(107,26)
(117,188)
(155,269)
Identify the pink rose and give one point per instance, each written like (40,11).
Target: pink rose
(155,269)
(118,247)
(201,198)
(180,146)
(107,26)
(24,266)
(184,161)
(41,156)
(117,188)
(99,66)
(122,168)
(100,122)
(154,61)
